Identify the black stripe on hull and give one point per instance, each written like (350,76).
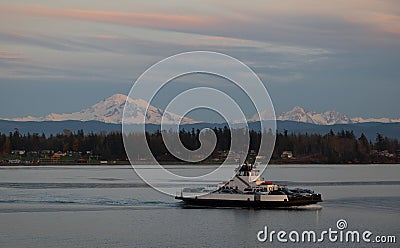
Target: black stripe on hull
(250,204)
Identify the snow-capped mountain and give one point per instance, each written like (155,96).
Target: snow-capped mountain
(327,118)
(111,109)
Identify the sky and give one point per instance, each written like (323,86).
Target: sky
(62,56)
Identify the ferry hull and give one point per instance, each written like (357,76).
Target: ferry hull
(295,201)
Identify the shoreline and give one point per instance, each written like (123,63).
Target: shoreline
(176,163)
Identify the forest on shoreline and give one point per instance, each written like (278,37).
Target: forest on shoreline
(94,148)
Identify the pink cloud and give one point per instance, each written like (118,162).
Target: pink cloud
(156,20)
(379,21)
(107,37)
(10,55)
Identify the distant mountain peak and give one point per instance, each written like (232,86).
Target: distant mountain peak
(110,110)
(330,117)
(298,109)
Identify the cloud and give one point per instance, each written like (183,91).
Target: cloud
(50,42)
(9,55)
(269,47)
(383,22)
(107,37)
(336,24)
(154,20)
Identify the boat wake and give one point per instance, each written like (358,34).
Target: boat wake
(88,202)
(82,204)
(306,207)
(22,185)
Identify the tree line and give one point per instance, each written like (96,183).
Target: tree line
(341,147)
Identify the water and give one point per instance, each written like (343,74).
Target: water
(94,206)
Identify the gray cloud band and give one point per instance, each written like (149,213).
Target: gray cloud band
(150,83)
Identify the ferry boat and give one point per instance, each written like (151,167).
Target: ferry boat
(247,189)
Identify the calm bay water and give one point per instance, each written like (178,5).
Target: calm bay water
(95,206)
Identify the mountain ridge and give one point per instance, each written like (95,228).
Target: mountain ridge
(110,110)
(331,117)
